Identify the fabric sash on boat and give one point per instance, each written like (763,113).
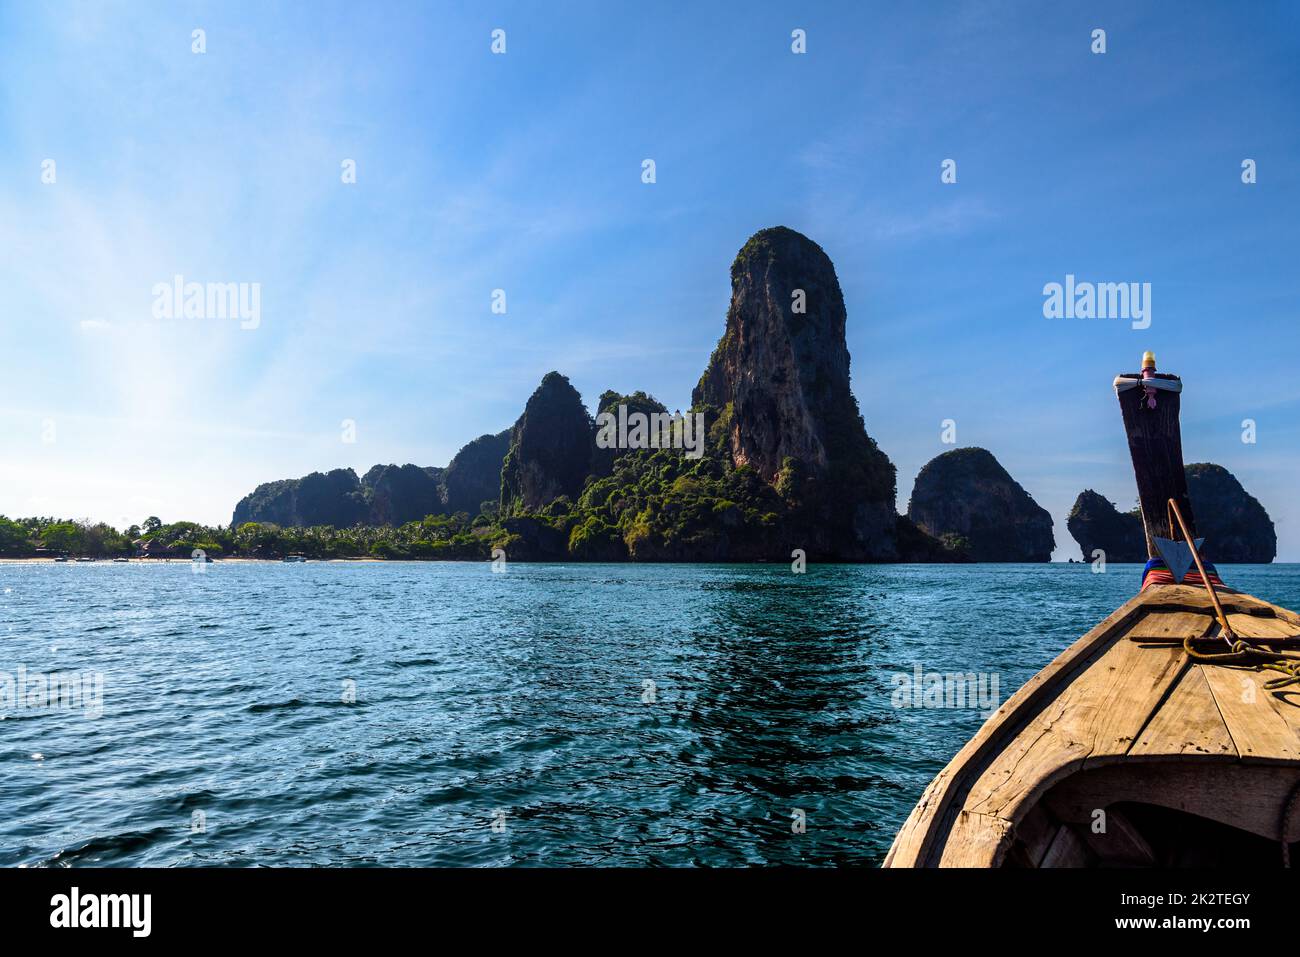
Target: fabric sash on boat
(1158,573)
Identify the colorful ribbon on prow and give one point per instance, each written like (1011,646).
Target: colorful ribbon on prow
(1158,573)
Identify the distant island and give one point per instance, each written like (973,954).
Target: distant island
(771,460)
(1235,525)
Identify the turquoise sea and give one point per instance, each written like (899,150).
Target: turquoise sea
(443,714)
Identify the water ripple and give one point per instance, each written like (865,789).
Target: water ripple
(438,714)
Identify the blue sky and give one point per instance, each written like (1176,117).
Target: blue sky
(523,172)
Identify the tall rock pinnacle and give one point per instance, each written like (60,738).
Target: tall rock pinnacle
(778,387)
(550,448)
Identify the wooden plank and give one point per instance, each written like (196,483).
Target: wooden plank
(1097,716)
(1257,626)
(976,840)
(1241,603)
(1285,614)
(1180,598)
(1126,695)
(1046,748)
(1196,598)
(1187,723)
(1173,620)
(1165,626)
(1258,728)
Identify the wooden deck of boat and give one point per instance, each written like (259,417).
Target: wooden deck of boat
(1125,693)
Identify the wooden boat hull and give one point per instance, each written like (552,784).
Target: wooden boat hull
(1068,770)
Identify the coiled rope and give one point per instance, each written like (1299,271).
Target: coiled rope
(1242,653)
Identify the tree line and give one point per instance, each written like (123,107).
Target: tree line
(437,536)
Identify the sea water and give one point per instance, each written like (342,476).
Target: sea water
(565,715)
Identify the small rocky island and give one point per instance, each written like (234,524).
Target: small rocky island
(1235,525)
(1097,525)
(967,500)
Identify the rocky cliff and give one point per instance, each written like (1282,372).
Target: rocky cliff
(1095,523)
(398,494)
(966,499)
(551,448)
(385,495)
(1234,524)
(777,399)
(474,475)
(331,498)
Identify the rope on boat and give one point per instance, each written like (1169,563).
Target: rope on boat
(1176,514)
(1246,654)
(1243,653)
(1240,652)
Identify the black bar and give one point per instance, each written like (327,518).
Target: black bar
(481,908)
